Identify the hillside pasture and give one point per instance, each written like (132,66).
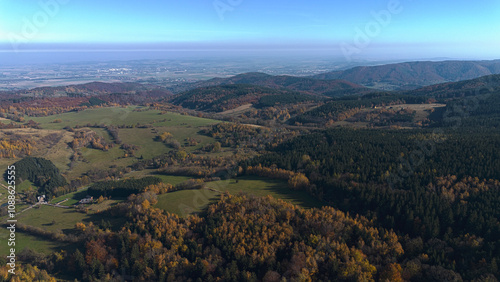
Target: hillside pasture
(119,116)
(187,202)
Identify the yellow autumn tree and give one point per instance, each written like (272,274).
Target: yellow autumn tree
(298,181)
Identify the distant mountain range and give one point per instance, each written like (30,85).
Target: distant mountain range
(221,94)
(95,88)
(229,96)
(432,79)
(413,75)
(361,80)
(304,85)
(472,87)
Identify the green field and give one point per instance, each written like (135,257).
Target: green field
(25,186)
(103,133)
(120,116)
(186,202)
(44,216)
(172,179)
(180,133)
(60,219)
(145,139)
(181,127)
(259,186)
(54,219)
(194,201)
(73,197)
(95,208)
(4,163)
(24,240)
(65,219)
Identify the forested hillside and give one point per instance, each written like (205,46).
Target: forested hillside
(479,86)
(41,172)
(227,97)
(346,107)
(331,88)
(412,75)
(437,188)
(94,88)
(239,238)
(241,182)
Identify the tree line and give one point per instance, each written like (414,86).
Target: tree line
(440,188)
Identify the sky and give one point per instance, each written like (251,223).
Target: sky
(350,29)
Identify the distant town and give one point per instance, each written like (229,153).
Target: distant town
(161,72)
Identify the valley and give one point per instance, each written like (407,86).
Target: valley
(387,170)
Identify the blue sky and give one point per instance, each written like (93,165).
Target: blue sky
(416,28)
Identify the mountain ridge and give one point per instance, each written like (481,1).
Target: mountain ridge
(93,88)
(304,85)
(230,96)
(413,75)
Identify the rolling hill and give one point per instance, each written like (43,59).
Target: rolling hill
(412,75)
(227,97)
(95,88)
(94,93)
(304,85)
(472,87)
(455,94)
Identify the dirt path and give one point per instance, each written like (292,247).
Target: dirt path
(252,125)
(30,207)
(1,184)
(237,110)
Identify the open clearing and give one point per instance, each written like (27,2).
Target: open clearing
(73,197)
(239,109)
(56,219)
(44,216)
(57,150)
(172,179)
(416,107)
(120,116)
(422,111)
(50,144)
(186,202)
(24,240)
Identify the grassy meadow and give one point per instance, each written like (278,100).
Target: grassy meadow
(180,126)
(152,123)
(120,116)
(194,201)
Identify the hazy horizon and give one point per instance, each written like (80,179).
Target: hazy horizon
(62,56)
(349,31)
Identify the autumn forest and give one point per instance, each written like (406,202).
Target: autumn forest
(254,178)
